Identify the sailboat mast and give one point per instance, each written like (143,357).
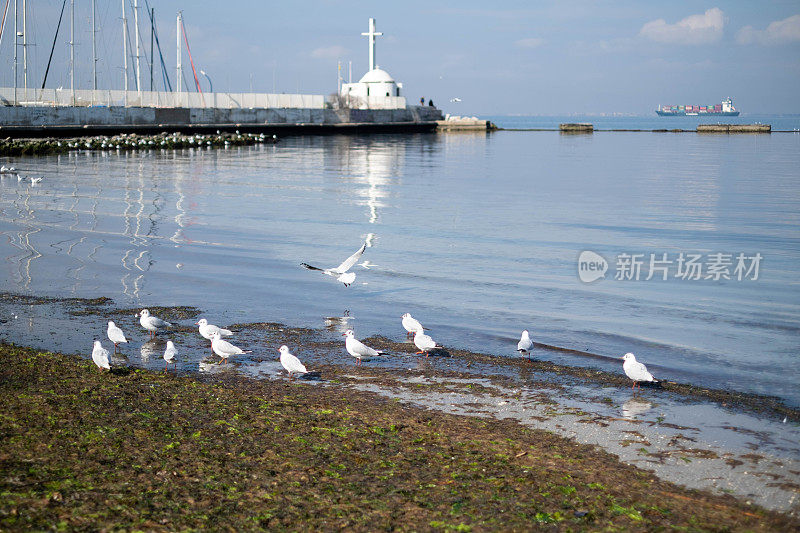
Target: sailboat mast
(152,35)
(125,49)
(94,45)
(25,43)
(136,38)
(72,49)
(178,43)
(16,45)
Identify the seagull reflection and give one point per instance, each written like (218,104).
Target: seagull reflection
(213,368)
(338,323)
(635,407)
(153,348)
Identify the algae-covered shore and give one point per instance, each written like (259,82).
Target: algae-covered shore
(126,142)
(137,449)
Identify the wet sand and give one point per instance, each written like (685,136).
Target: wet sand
(724,443)
(139,449)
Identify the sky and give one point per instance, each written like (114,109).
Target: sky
(515,57)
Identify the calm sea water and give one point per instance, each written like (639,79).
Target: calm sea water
(649,122)
(478,236)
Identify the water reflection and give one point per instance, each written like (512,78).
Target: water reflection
(510,210)
(374,166)
(635,407)
(339,324)
(153,349)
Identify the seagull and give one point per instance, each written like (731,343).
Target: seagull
(636,370)
(341,272)
(7,170)
(358,349)
(411,324)
(525,343)
(115,334)
(224,349)
(291,363)
(34,181)
(100,356)
(206,329)
(169,355)
(424,342)
(456,99)
(151,323)
(19,177)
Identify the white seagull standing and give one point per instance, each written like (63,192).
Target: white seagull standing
(525,343)
(358,349)
(169,355)
(424,342)
(206,329)
(152,323)
(224,349)
(100,356)
(411,324)
(291,363)
(115,335)
(636,370)
(341,272)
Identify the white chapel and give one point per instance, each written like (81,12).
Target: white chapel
(376,89)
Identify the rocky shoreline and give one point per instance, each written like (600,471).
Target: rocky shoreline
(136,449)
(11,147)
(720,442)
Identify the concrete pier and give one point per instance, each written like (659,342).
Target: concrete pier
(734,128)
(576,127)
(30,121)
(457,123)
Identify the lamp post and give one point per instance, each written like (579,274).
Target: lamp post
(210,85)
(210,88)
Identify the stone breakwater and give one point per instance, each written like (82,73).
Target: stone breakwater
(126,142)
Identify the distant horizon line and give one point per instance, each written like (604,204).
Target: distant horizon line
(617,115)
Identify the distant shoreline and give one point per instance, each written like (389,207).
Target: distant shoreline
(624,130)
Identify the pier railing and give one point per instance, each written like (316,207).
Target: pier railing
(110,98)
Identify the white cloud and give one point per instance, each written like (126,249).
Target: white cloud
(694,29)
(778,32)
(329,52)
(530,42)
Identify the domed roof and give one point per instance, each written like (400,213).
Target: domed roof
(376,75)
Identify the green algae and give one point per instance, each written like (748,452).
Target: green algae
(81,449)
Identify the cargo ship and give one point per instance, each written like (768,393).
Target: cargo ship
(724,109)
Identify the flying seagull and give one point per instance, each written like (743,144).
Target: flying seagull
(341,272)
(636,370)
